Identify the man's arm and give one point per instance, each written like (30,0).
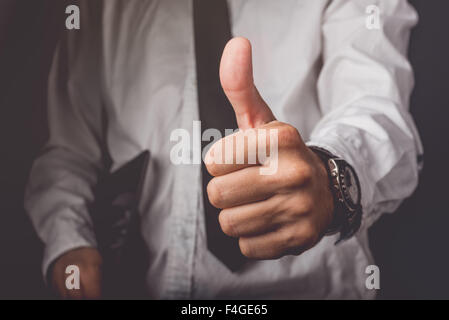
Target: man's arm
(62,178)
(364,90)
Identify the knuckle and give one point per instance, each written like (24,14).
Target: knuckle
(289,239)
(295,241)
(246,249)
(227,223)
(304,173)
(212,168)
(214,193)
(309,234)
(89,272)
(288,135)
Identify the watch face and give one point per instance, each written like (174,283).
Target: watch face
(351,186)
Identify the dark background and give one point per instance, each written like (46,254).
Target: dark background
(411,246)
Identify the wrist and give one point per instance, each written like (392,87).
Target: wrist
(327,196)
(345,188)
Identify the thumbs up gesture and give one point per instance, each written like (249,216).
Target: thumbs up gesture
(284,212)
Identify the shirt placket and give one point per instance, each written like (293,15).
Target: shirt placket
(186,204)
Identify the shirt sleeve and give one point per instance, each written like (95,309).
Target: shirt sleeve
(60,187)
(364,90)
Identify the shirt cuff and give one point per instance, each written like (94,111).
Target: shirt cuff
(352,153)
(66,235)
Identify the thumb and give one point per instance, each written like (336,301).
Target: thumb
(236,76)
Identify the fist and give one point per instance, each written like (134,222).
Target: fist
(283,213)
(89,261)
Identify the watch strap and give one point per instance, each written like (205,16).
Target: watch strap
(336,223)
(344,221)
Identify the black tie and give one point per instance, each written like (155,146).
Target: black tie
(212,31)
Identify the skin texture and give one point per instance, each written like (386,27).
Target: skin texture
(89,262)
(272,215)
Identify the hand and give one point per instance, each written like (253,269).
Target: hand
(274,215)
(89,261)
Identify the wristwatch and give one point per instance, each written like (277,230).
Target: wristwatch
(345,187)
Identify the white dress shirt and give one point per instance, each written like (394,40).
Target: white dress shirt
(127,79)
